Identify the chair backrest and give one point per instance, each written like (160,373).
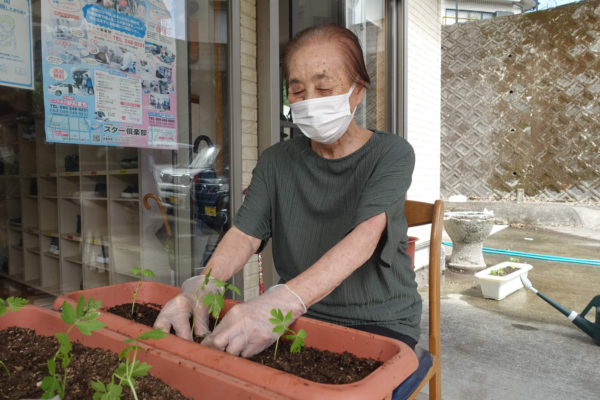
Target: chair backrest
(417,214)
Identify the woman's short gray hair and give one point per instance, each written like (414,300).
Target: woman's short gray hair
(348,42)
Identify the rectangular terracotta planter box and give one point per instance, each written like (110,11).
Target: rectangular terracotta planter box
(191,379)
(399,359)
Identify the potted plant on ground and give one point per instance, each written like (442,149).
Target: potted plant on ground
(502,279)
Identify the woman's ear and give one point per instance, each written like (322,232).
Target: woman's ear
(357,96)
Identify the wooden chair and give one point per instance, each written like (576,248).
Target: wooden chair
(418,214)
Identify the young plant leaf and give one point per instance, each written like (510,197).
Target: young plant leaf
(153,334)
(288,317)
(297,345)
(85,329)
(220,284)
(68,313)
(278,329)
(220,302)
(140,370)
(125,351)
(98,386)
(115,391)
(79,310)
(2,308)
(15,303)
(136,270)
(279,315)
(63,339)
(51,386)
(274,321)
(90,316)
(149,273)
(208,299)
(301,334)
(121,369)
(235,289)
(51,366)
(274,313)
(90,326)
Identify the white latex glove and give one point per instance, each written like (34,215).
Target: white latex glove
(246,329)
(177,312)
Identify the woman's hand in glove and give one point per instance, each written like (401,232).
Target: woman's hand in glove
(246,329)
(177,312)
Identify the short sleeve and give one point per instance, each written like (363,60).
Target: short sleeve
(385,192)
(254,216)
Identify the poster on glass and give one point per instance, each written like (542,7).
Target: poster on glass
(109,72)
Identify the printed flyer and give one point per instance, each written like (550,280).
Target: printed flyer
(16,57)
(109,72)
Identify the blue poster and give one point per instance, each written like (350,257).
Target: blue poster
(16,57)
(109,72)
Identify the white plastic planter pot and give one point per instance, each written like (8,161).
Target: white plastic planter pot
(498,287)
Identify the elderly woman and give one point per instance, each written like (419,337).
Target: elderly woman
(333,203)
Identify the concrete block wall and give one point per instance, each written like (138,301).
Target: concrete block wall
(424,108)
(249,114)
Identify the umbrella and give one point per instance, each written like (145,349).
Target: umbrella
(164,234)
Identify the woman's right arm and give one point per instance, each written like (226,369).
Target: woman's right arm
(229,257)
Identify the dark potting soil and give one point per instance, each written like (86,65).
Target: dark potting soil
(507,271)
(26,353)
(319,366)
(143,313)
(316,365)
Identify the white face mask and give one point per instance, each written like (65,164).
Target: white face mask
(324,119)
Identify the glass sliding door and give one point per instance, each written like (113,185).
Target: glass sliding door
(72,212)
(369,20)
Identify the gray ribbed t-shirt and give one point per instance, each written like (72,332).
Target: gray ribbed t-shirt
(308,204)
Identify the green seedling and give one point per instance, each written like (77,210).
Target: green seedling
(84,318)
(281,327)
(499,271)
(198,299)
(214,302)
(128,370)
(141,272)
(13,304)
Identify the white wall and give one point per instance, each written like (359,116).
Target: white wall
(488,6)
(424,103)
(249,112)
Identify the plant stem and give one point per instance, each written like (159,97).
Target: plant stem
(276,345)
(131,381)
(65,381)
(5,367)
(195,309)
(135,293)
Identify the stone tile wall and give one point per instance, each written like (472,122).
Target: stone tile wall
(521,105)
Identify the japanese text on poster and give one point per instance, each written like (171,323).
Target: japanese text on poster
(109,72)
(16,59)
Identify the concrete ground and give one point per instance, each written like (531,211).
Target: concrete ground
(521,347)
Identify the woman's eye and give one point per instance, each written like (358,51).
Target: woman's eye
(297,93)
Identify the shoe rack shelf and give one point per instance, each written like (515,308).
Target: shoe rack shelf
(43,189)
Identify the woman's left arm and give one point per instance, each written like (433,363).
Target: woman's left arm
(340,262)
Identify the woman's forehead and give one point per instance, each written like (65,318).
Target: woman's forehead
(317,62)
